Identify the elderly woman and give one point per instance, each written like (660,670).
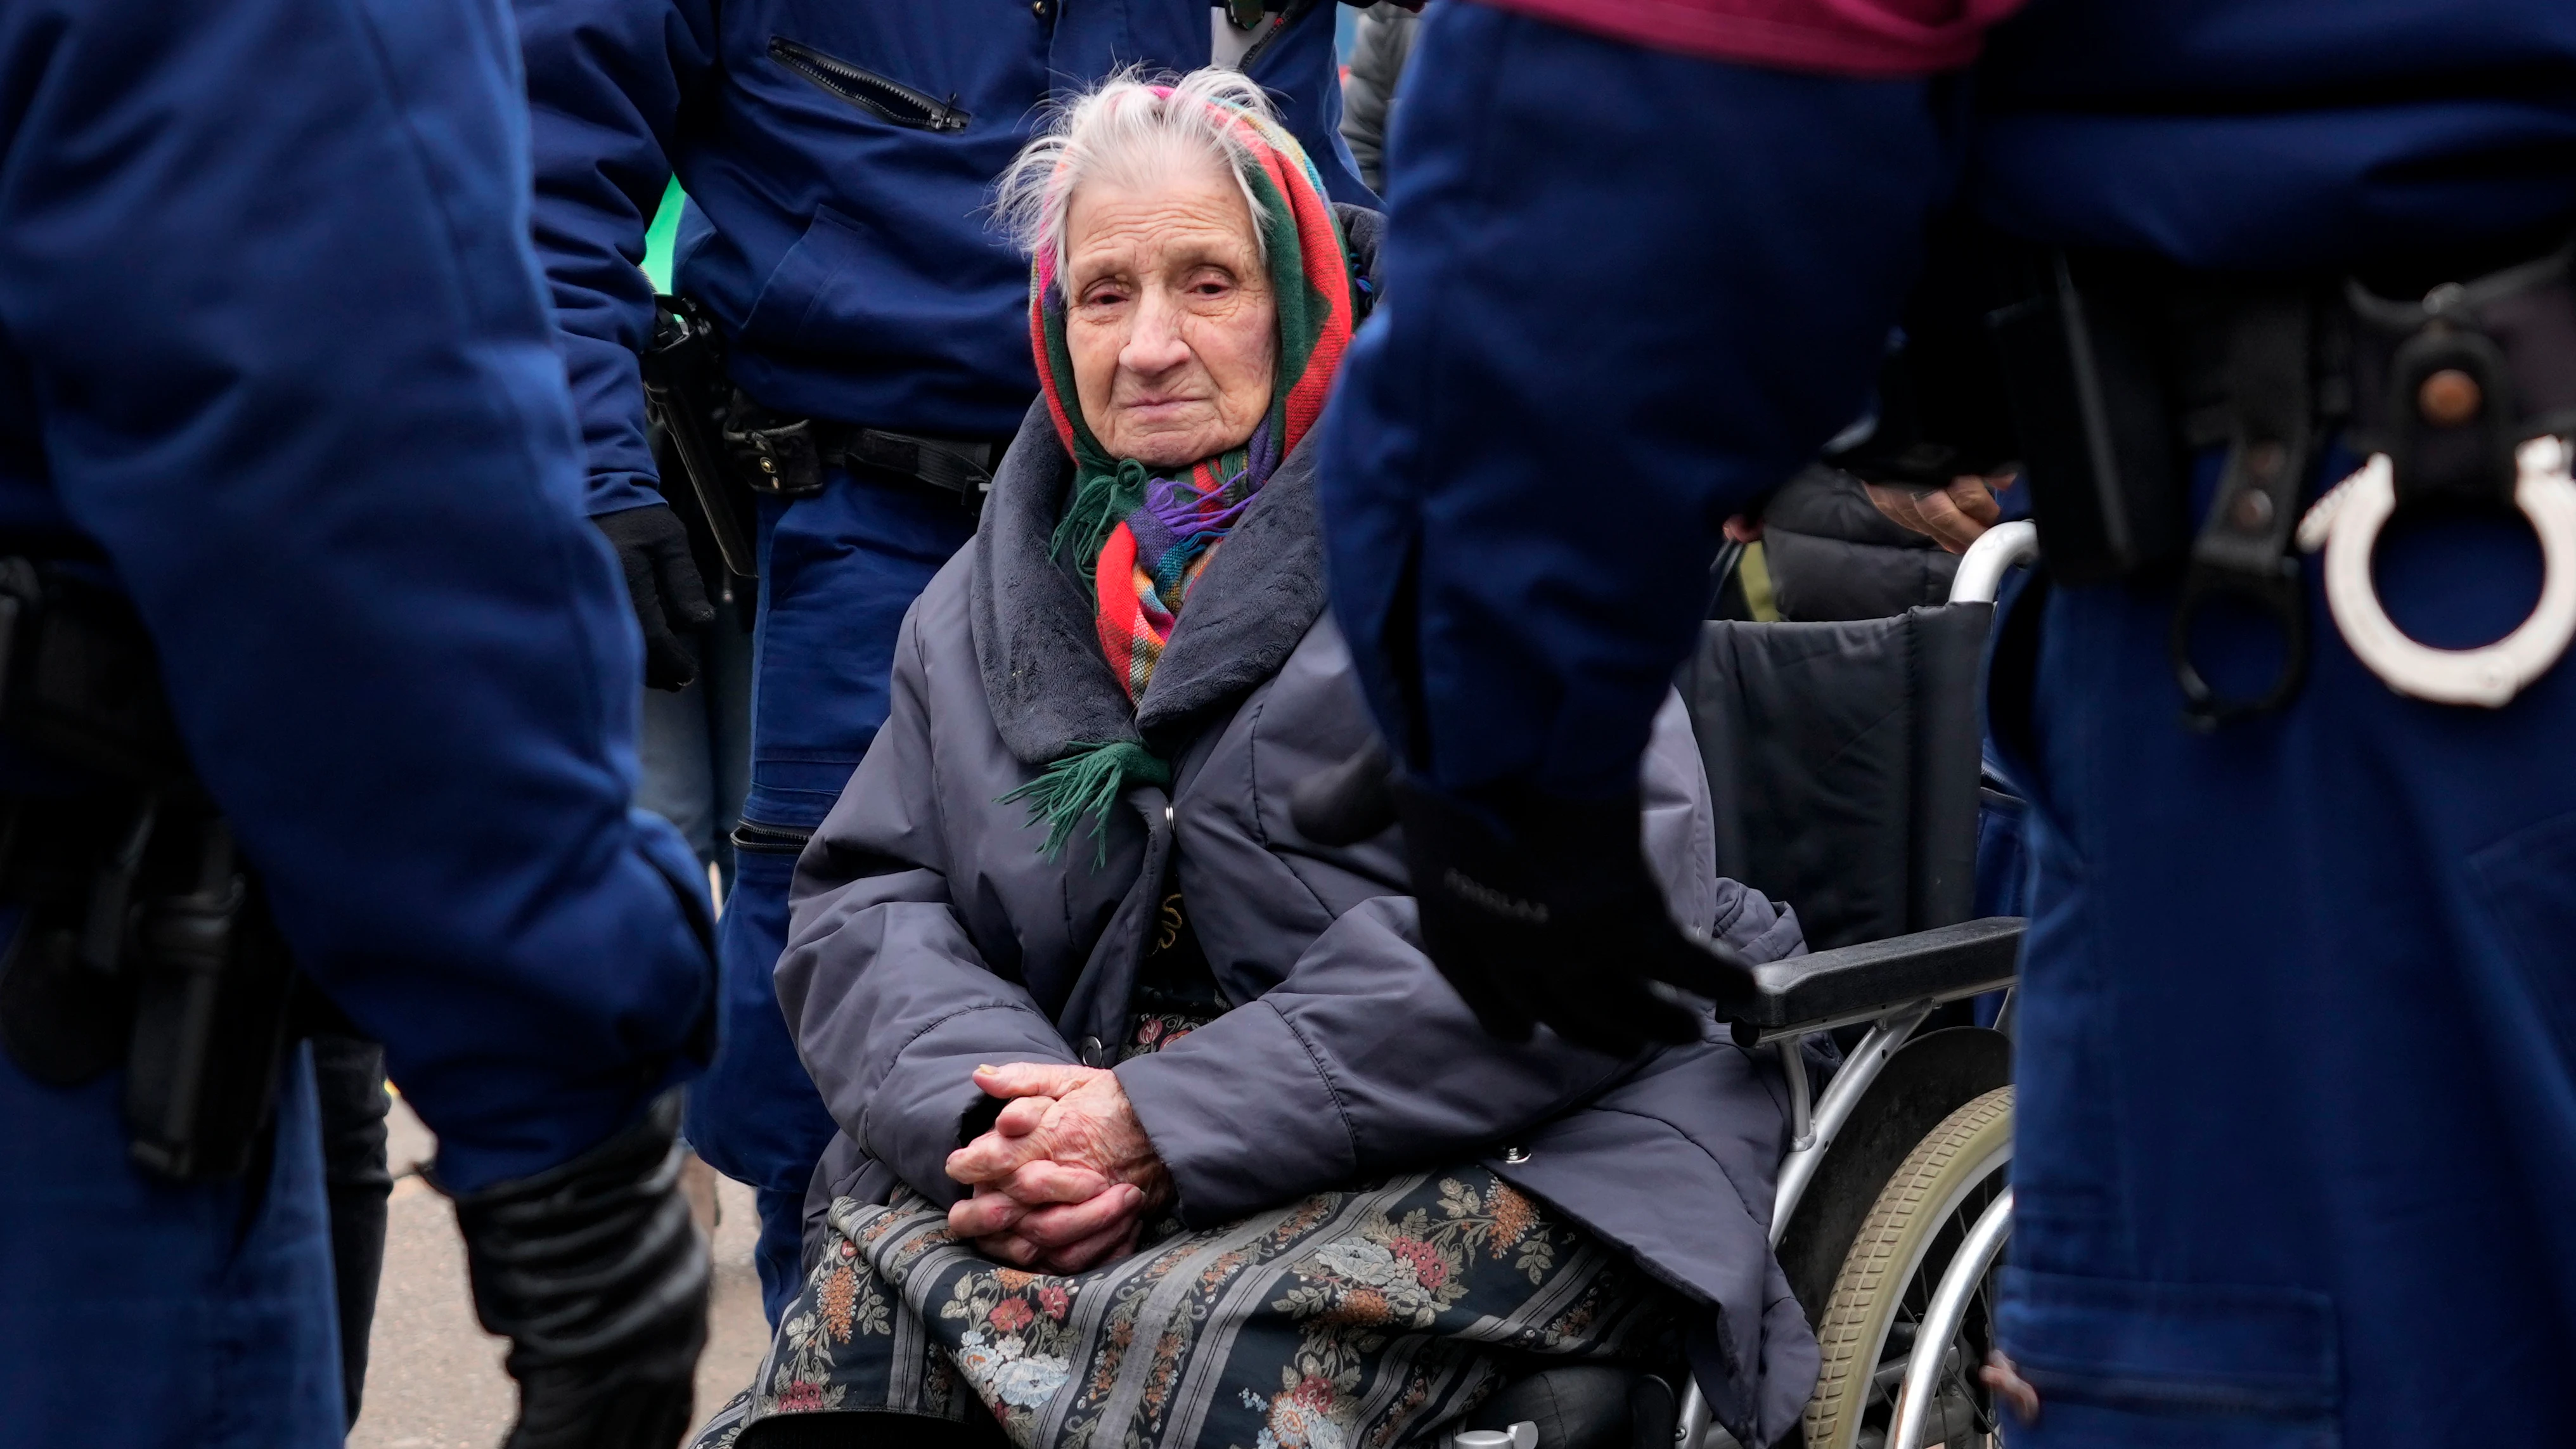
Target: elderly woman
(1157,1126)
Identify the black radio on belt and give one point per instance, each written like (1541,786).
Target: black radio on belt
(141,937)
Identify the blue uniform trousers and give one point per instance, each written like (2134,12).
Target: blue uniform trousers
(2297,1120)
(141,1314)
(838,571)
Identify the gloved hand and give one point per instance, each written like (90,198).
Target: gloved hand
(597,1275)
(662,579)
(1536,909)
(1349,802)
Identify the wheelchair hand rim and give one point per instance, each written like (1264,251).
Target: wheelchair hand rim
(2490,675)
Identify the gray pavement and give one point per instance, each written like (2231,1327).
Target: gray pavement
(434,1379)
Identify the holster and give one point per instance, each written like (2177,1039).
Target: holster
(141,936)
(2092,417)
(686,395)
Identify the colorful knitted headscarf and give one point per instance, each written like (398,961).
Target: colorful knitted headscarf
(1142,540)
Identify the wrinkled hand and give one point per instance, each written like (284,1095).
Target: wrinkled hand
(1953,517)
(1065,1178)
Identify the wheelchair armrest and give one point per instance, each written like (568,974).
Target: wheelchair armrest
(1850,984)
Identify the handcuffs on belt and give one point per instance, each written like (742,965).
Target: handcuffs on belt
(2345,524)
(2481,382)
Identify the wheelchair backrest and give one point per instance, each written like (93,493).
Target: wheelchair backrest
(1842,760)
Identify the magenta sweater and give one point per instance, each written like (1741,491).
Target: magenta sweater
(1839,37)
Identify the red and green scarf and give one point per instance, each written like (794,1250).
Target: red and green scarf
(1142,539)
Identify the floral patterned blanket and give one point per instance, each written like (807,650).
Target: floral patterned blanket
(1364,1319)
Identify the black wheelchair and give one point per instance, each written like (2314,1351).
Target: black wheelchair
(1844,761)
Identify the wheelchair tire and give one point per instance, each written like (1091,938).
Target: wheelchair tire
(1888,1277)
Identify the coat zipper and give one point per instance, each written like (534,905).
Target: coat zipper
(888,100)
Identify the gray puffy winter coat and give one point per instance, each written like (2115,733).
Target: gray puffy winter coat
(930,935)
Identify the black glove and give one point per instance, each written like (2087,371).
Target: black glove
(596,1274)
(1540,911)
(653,548)
(1348,803)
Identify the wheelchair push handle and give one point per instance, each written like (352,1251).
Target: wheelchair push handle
(2001,549)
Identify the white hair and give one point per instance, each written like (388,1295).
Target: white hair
(1124,131)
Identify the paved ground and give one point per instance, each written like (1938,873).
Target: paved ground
(435,1379)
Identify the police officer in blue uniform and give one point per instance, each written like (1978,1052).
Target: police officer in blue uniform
(837,160)
(316,712)
(2297,1053)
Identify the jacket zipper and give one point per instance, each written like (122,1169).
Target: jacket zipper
(770,839)
(887,100)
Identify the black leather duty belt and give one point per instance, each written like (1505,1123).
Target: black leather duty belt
(2120,369)
(788,459)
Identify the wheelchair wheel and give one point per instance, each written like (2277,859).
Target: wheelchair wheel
(1887,1281)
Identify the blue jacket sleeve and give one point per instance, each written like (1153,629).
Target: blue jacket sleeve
(265,280)
(607,82)
(1626,293)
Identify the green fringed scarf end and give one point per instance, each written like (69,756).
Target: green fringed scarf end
(1087,781)
(1102,497)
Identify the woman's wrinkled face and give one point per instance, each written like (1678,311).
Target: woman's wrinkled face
(1169,316)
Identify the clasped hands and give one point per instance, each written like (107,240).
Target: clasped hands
(1066,1178)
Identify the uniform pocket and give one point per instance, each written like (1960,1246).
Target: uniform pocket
(2121,1362)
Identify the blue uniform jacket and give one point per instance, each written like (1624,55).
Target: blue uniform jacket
(272,338)
(838,160)
(2297,1115)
